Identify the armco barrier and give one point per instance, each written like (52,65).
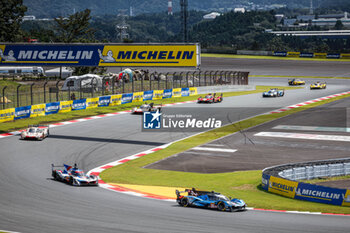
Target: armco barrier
(284,180)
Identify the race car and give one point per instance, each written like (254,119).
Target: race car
(274,92)
(209,199)
(146,108)
(38,132)
(73,176)
(318,85)
(296,82)
(210,99)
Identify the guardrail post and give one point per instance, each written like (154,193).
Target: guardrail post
(205,77)
(193,78)
(31,93)
(92,87)
(45,91)
(199,78)
(159,74)
(187,83)
(80,89)
(57,90)
(211,79)
(150,80)
(142,78)
(3,97)
(18,94)
(181,73)
(221,77)
(174,74)
(166,80)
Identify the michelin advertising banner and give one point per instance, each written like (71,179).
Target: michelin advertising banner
(116,100)
(180,55)
(147,95)
(66,106)
(52,108)
(127,98)
(104,101)
(79,104)
(7,115)
(168,93)
(185,91)
(92,102)
(177,92)
(22,112)
(37,110)
(138,97)
(157,94)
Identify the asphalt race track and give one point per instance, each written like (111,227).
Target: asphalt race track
(30,201)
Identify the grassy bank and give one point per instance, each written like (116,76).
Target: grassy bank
(20,124)
(244,184)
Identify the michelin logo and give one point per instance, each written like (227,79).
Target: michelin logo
(9,57)
(152,120)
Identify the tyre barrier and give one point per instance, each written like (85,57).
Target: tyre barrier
(284,180)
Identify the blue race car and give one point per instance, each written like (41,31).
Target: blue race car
(274,92)
(209,199)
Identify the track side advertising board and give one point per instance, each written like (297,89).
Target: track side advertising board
(120,55)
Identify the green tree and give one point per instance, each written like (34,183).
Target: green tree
(11,13)
(75,28)
(338,25)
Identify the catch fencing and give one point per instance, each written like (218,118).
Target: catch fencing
(45,91)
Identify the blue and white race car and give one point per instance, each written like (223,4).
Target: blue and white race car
(274,92)
(73,176)
(209,199)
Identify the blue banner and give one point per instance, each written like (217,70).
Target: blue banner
(52,108)
(168,93)
(104,101)
(147,95)
(317,193)
(333,55)
(55,54)
(265,180)
(185,91)
(22,112)
(307,55)
(79,104)
(127,98)
(280,54)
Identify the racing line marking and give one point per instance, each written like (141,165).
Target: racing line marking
(214,149)
(305,136)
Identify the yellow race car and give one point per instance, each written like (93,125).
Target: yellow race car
(295,82)
(318,85)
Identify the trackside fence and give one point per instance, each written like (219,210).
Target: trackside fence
(46,91)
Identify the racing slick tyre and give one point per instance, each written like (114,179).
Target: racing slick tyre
(184,202)
(70,181)
(221,206)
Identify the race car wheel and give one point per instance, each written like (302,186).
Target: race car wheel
(70,181)
(221,206)
(184,202)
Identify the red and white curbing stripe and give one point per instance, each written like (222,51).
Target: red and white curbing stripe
(4,135)
(308,102)
(102,184)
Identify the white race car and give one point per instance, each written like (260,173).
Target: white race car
(73,176)
(38,132)
(146,108)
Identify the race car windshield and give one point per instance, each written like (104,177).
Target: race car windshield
(208,96)
(78,173)
(31,130)
(222,197)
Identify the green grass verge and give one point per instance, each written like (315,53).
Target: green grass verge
(244,184)
(271,57)
(23,123)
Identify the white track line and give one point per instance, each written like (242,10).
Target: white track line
(214,149)
(305,136)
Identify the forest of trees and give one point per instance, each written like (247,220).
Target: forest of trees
(229,32)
